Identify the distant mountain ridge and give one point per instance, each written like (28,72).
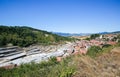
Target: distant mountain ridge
(70,34)
(82,34)
(109,32)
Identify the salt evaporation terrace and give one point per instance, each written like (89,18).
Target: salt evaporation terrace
(12,55)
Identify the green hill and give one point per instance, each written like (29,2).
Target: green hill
(25,36)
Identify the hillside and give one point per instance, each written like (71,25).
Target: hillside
(25,36)
(105,65)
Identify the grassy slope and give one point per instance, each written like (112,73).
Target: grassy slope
(105,64)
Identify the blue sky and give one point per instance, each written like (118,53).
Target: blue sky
(69,16)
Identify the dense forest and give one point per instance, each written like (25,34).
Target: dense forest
(25,36)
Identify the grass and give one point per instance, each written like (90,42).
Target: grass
(50,68)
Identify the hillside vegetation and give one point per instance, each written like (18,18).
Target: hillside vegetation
(50,68)
(25,36)
(105,65)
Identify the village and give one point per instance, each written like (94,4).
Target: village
(11,57)
(83,45)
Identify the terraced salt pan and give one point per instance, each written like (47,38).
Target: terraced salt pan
(38,57)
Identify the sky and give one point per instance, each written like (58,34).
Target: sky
(68,16)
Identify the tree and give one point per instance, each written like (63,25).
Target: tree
(93,36)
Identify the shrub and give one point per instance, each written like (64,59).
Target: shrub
(93,51)
(93,36)
(106,45)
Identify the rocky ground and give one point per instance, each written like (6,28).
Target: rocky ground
(105,65)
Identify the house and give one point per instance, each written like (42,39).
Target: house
(83,51)
(59,59)
(111,42)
